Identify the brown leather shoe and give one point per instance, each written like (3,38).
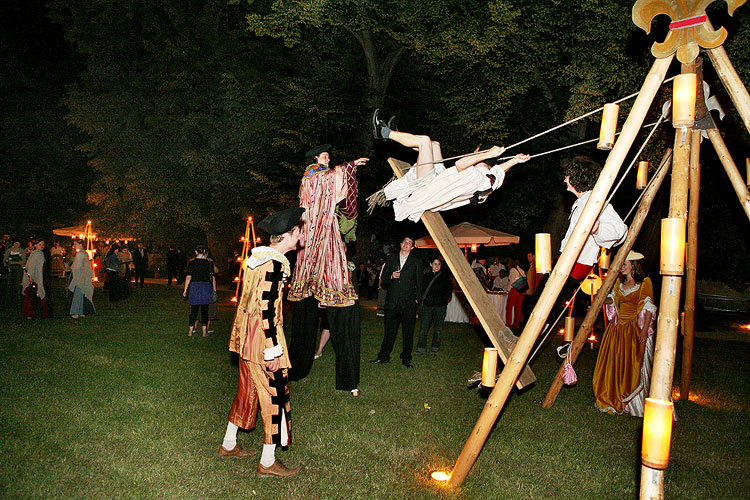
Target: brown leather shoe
(236,452)
(277,469)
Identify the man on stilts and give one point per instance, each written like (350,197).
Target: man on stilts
(321,275)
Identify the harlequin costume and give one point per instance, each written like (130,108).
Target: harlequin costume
(258,336)
(321,276)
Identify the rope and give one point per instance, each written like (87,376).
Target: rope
(585,115)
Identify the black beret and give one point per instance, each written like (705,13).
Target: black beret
(323,148)
(281,222)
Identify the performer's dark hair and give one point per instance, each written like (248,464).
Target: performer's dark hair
(201,250)
(583,173)
(638,273)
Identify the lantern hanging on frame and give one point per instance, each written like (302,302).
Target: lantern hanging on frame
(641,179)
(672,246)
(489,367)
(657,433)
(543,252)
(683,100)
(608,127)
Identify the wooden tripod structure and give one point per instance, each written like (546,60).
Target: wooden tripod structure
(685,173)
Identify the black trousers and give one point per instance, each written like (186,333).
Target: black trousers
(140,275)
(194,314)
(343,322)
(406,316)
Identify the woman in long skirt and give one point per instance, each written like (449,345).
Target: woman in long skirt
(623,368)
(80,291)
(36,301)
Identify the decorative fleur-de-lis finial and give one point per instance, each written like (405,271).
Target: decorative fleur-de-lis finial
(688,30)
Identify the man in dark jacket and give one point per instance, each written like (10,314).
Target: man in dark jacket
(437,291)
(402,279)
(140,262)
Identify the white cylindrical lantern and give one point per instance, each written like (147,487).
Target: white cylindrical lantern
(489,367)
(604,257)
(570,328)
(673,246)
(641,180)
(543,251)
(657,433)
(683,100)
(608,126)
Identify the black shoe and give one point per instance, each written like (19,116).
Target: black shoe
(377,125)
(380,361)
(407,364)
(392,124)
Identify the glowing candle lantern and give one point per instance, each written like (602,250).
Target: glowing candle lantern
(543,251)
(440,476)
(683,100)
(474,247)
(570,328)
(641,179)
(608,127)
(591,284)
(657,433)
(672,246)
(489,367)
(604,257)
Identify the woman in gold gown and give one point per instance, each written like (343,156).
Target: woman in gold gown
(623,369)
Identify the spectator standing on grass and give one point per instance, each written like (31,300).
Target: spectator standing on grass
(14,259)
(79,293)
(36,301)
(402,279)
(518,286)
(173,258)
(258,338)
(200,283)
(112,268)
(437,291)
(140,261)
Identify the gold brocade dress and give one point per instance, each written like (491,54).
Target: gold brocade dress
(623,367)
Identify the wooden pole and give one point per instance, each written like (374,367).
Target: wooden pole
(652,480)
(731,81)
(729,166)
(691,267)
(598,302)
(498,333)
(560,273)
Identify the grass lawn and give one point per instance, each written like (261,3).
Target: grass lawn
(124,405)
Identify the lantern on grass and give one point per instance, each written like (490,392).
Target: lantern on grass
(543,251)
(608,127)
(672,246)
(489,367)
(657,433)
(683,100)
(641,178)
(570,328)
(605,255)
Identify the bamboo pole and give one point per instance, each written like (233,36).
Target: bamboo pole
(652,480)
(498,333)
(731,81)
(596,306)
(560,273)
(691,267)
(729,166)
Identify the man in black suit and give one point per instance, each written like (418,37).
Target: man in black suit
(402,279)
(173,258)
(140,261)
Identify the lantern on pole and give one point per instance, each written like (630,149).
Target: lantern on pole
(474,248)
(543,251)
(605,255)
(683,100)
(591,284)
(672,246)
(489,367)
(570,328)
(608,126)
(641,179)
(657,433)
